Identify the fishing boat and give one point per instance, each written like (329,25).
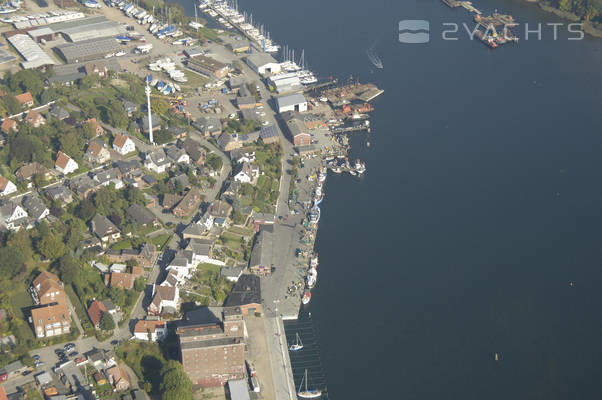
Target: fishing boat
(298,345)
(322,177)
(308,393)
(314,261)
(314,215)
(312,278)
(306,297)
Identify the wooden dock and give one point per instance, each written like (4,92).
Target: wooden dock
(468,6)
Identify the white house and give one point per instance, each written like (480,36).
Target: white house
(65,164)
(182,264)
(157,161)
(123,144)
(240,156)
(263,64)
(11,213)
(153,330)
(245,173)
(293,102)
(165,300)
(201,252)
(6,186)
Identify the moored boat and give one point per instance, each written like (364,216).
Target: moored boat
(308,393)
(306,297)
(298,345)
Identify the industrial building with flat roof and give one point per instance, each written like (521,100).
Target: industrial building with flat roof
(293,102)
(88,28)
(208,67)
(263,63)
(87,50)
(33,54)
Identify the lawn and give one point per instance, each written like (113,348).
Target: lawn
(146,360)
(161,240)
(80,310)
(124,244)
(20,300)
(241,231)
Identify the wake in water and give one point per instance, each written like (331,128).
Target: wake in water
(374,58)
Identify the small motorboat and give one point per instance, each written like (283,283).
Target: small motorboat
(306,297)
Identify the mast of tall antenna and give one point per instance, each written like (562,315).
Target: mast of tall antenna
(147,90)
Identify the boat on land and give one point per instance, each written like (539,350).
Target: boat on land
(298,345)
(307,393)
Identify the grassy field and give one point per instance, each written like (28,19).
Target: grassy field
(19,300)
(161,240)
(241,231)
(146,360)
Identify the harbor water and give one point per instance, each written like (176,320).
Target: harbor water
(481,204)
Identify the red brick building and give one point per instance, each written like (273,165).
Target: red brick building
(213,353)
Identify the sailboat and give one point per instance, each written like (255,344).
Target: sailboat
(308,393)
(374,58)
(298,345)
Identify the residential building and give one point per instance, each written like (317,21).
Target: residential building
(231,273)
(59,193)
(246,102)
(6,186)
(145,256)
(189,203)
(97,153)
(245,172)
(104,229)
(58,112)
(95,312)
(197,154)
(157,161)
(228,141)
(35,118)
(118,377)
(51,320)
(97,69)
(46,288)
(35,207)
(25,99)
(123,144)
(27,172)
(141,215)
(12,370)
(93,124)
(65,164)
(165,300)
(193,230)
(12,215)
(154,120)
(9,125)
(129,107)
(122,280)
(176,155)
(150,330)
(219,209)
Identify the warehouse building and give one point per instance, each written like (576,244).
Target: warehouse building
(208,67)
(88,28)
(237,44)
(87,50)
(284,83)
(263,64)
(294,102)
(33,54)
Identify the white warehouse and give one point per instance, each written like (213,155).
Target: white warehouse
(263,64)
(294,102)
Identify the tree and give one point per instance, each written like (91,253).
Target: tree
(12,261)
(68,267)
(139,284)
(175,384)
(106,322)
(51,246)
(85,210)
(21,241)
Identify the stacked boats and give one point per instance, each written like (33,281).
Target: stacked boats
(167,65)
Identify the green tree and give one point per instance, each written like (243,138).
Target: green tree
(51,246)
(68,267)
(175,384)
(85,210)
(12,262)
(21,241)
(139,284)
(106,322)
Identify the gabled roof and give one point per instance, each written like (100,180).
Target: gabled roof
(120,140)
(29,170)
(101,225)
(95,311)
(141,215)
(144,326)
(122,280)
(62,159)
(24,98)
(3,183)
(8,124)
